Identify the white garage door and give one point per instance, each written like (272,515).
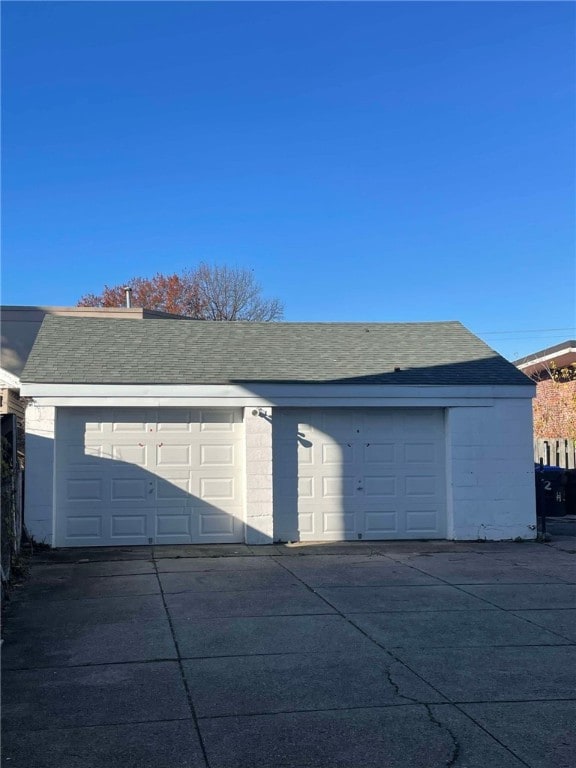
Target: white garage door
(140,476)
(362,474)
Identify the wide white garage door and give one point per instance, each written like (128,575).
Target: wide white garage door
(361,474)
(141,476)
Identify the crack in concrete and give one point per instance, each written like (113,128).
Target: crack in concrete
(388,666)
(389,674)
(453,759)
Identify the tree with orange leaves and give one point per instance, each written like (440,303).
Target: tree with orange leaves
(554,406)
(205,293)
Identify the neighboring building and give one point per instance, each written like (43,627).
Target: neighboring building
(539,365)
(554,371)
(11,402)
(170,432)
(19,327)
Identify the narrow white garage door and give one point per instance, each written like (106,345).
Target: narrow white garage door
(140,476)
(361,474)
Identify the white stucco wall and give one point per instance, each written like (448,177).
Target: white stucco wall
(39,498)
(259,477)
(490,471)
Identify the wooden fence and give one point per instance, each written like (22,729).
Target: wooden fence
(555,452)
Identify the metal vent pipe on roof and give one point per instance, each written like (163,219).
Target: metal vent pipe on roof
(128,292)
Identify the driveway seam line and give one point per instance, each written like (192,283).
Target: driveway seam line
(360,654)
(378,706)
(287,712)
(182,673)
(505,610)
(268,713)
(98,725)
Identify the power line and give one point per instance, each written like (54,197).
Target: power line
(527,330)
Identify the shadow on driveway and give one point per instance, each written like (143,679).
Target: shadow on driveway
(361,655)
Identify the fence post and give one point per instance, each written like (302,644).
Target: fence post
(558,452)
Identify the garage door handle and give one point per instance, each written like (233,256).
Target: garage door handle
(141,445)
(160,445)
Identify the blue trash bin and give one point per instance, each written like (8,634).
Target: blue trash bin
(551,485)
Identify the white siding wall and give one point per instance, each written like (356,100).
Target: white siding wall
(39,497)
(491,471)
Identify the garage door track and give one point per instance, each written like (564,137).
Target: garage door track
(406,655)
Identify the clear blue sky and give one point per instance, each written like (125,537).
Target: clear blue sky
(370,161)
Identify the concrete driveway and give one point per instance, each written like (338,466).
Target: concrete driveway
(395,655)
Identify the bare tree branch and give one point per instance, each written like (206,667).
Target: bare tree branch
(204,293)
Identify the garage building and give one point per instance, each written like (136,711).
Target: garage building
(183,431)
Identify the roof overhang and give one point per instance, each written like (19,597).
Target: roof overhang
(8,380)
(561,355)
(286,395)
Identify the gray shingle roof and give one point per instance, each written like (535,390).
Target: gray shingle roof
(98,351)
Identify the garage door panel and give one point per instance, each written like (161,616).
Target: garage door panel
(217,488)
(335,423)
(378,453)
(367,473)
(83,489)
(130,489)
(137,421)
(379,424)
(146,475)
(420,453)
(169,489)
(336,453)
(79,455)
(376,486)
(84,527)
(174,521)
(306,524)
(380,523)
(223,421)
(306,488)
(305,453)
(129,526)
(176,427)
(130,453)
(178,421)
(338,487)
(217,455)
(137,426)
(421,485)
(213,523)
(169,472)
(174,455)
(338,522)
(92,427)
(423,521)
